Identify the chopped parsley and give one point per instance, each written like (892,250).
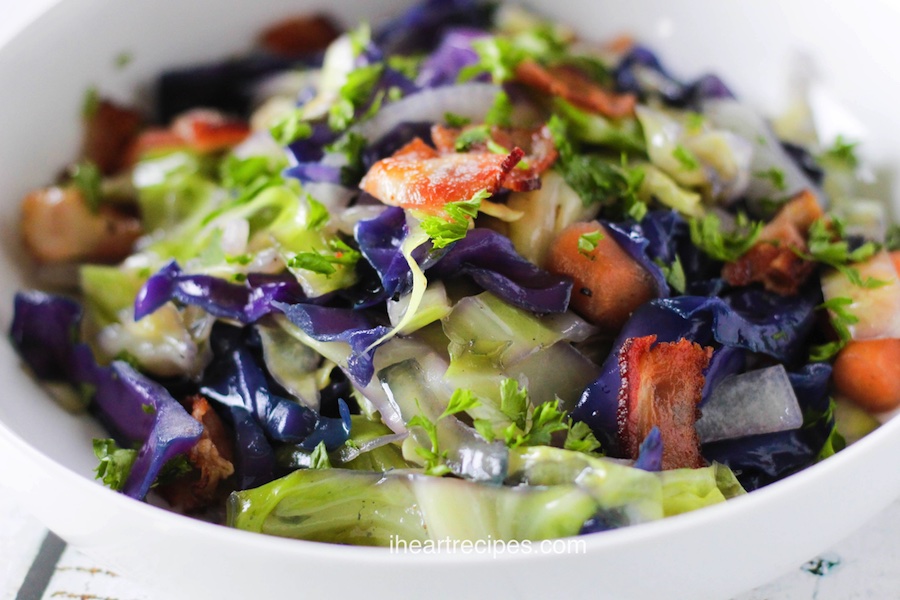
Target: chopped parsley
(324,263)
(408,66)
(580,438)
(454,120)
(318,459)
(434,459)
(88,179)
(686,158)
(355,91)
(707,234)
(317,214)
(443,231)
(826,245)
(91,102)
(498,56)
(471,137)
(596,179)
(123,59)
(775,176)
(892,238)
(290,127)
(462,400)
(587,242)
(351,145)
(674,274)
(841,320)
(115,463)
(500,113)
(842,152)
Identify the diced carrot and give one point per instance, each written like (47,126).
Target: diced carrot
(868,373)
(895,257)
(609,284)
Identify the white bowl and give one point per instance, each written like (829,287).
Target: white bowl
(45,453)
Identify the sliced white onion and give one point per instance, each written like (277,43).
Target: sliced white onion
(876,308)
(767,151)
(752,403)
(469,100)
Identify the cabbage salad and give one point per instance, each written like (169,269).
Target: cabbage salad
(461,276)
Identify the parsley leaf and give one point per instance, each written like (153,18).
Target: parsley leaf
(498,56)
(828,247)
(471,137)
(434,458)
(351,145)
(355,91)
(841,319)
(707,234)
(686,158)
(318,459)
(461,401)
(317,215)
(91,103)
(500,113)
(290,127)
(454,120)
(444,231)
(323,262)
(892,238)
(843,152)
(587,242)
(775,176)
(595,179)
(88,179)
(580,438)
(674,274)
(115,463)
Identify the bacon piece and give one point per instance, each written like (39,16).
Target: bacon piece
(58,226)
(773,260)
(577,88)
(540,151)
(211,458)
(662,386)
(204,131)
(298,35)
(424,180)
(109,130)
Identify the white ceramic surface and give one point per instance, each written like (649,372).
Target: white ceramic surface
(45,457)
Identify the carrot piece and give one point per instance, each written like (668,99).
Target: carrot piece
(895,257)
(609,284)
(868,373)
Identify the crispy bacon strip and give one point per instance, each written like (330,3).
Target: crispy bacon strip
(201,130)
(773,261)
(662,386)
(540,152)
(108,132)
(577,88)
(299,35)
(211,458)
(417,177)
